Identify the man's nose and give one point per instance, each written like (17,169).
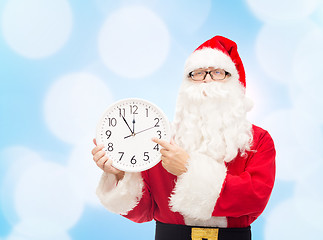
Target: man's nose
(208,78)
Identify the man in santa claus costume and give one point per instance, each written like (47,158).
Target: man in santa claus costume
(217,173)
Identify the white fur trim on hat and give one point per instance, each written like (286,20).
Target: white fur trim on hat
(209,57)
(120,197)
(197,191)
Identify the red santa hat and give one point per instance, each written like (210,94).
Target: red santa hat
(218,52)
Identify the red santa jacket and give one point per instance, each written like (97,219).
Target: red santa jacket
(208,194)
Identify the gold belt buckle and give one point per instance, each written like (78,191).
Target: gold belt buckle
(205,233)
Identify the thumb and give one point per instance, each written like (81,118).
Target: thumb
(94,141)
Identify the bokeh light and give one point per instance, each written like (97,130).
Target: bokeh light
(308,64)
(84,171)
(185,18)
(280,41)
(19,233)
(282,11)
(289,131)
(16,160)
(73,104)
(134,42)
(285,222)
(37,28)
(45,197)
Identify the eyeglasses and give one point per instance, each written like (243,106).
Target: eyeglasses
(216,74)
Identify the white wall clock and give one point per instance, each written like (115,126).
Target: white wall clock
(126,129)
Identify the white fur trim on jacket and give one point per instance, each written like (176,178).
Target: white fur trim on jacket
(209,57)
(120,197)
(197,191)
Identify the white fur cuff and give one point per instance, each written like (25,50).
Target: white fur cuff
(196,191)
(120,197)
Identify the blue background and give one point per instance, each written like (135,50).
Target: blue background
(287,102)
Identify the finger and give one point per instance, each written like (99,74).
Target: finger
(94,141)
(97,148)
(162,143)
(163,151)
(101,162)
(164,160)
(166,153)
(99,155)
(107,167)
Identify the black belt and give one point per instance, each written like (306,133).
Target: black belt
(182,232)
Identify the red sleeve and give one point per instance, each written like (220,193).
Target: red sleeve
(143,212)
(249,192)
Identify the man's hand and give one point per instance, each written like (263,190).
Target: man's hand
(174,158)
(101,159)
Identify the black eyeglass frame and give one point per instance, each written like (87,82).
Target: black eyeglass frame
(209,72)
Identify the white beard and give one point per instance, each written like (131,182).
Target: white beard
(211,119)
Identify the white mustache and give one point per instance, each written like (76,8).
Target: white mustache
(201,91)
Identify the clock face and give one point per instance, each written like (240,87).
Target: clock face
(126,130)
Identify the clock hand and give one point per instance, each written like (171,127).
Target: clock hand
(133,124)
(127,125)
(139,132)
